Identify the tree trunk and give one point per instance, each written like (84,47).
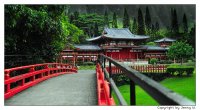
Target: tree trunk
(181,61)
(174,60)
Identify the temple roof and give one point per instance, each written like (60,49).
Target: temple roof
(165,40)
(114,33)
(157,48)
(87,47)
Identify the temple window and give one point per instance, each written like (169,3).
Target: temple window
(112,43)
(130,43)
(121,43)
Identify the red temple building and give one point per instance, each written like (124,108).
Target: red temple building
(120,44)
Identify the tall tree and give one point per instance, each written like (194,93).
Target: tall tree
(114,22)
(126,20)
(91,32)
(157,26)
(174,22)
(134,26)
(106,19)
(141,30)
(192,37)
(148,19)
(96,29)
(71,18)
(185,24)
(76,16)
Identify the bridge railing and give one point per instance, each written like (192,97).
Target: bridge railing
(20,78)
(161,94)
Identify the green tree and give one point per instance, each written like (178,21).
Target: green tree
(157,26)
(86,21)
(134,26)
(192,37)
(141,30)
(114,22)
(37,30)
(174,22)
(180,51)
(106,19)
(126,20)
(151,43)
(96,29)
(76,16)
(148,20)
(185,24)
(71,18)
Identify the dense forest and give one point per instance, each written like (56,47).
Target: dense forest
(37,33)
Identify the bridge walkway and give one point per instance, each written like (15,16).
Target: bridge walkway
(68,89)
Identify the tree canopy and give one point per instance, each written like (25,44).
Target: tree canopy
(126,19)
(38,30)
(141,30)
(180,51)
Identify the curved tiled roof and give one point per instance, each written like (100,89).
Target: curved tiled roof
(158,48)
(115,33)
(87,47)
(165,40)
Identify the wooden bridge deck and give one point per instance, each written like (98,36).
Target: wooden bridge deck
(69,89)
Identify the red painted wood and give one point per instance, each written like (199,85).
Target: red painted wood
(103,91)
(52,70)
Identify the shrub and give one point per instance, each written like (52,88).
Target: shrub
(85,63)
(180,69)
(153,61)
(165,62)
(88,63)
(120,79)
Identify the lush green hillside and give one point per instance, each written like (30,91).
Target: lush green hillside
(182,85)
(160,13)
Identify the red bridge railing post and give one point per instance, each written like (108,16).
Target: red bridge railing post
(7,76)
(32,69)
(110,76)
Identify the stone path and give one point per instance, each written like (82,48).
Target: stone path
(69,89)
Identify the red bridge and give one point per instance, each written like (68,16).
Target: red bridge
(35,85)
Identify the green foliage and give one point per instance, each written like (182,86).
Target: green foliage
(126,19)
(86,23)
(157,26)
(120,79)
(134,26)
(85,63)
(38,30)
(147,19)
(151,43)
(185,24)
(180,69)
(106,19)
(174,23)
(165,62)
(180,50)
(87,67)
(114,22)
(191,39)
(181,85)
(96,29)
(141,28)
(153,61)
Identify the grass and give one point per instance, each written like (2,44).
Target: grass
(87,67)
(182,85)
